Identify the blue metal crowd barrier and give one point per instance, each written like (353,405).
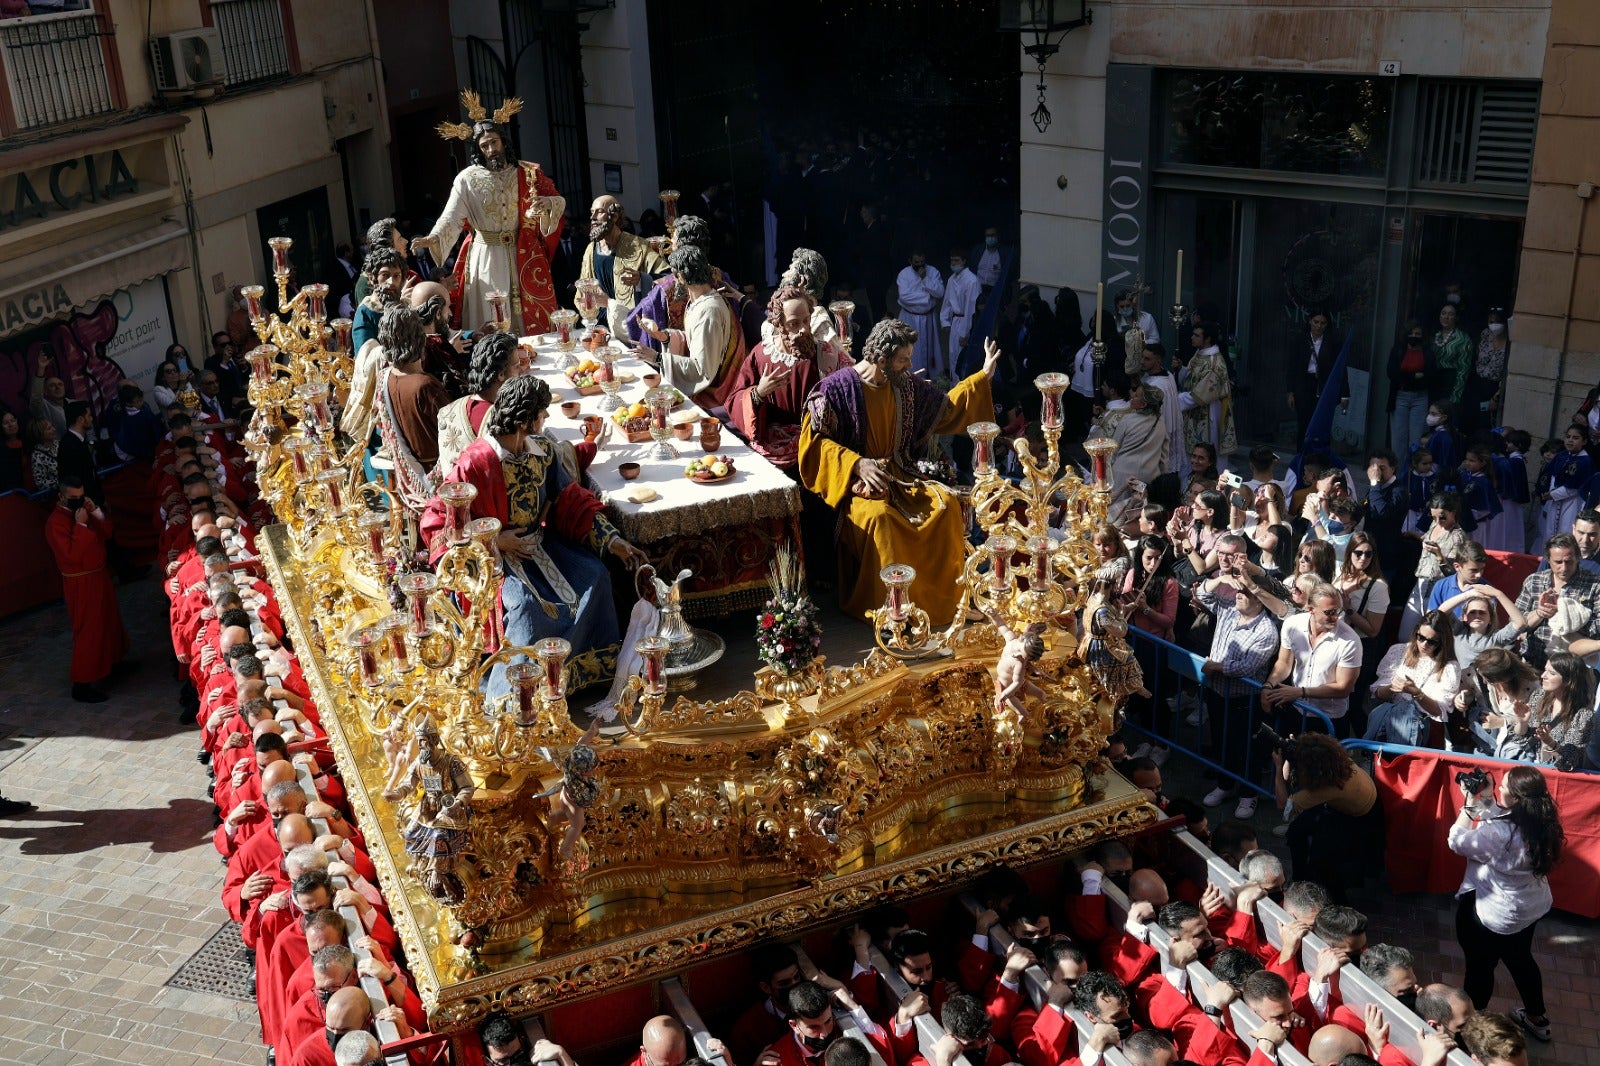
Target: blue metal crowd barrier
(1381,748)
(1224,740)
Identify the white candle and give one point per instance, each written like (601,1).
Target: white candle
(1099,306)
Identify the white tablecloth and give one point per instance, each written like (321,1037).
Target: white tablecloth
(757,491)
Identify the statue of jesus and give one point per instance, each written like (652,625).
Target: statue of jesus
(515,214)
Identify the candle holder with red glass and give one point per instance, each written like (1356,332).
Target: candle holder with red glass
(900,627)
(660,403)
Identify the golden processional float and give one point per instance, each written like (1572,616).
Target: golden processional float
(555,865)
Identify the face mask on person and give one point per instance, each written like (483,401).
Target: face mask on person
(521,1058)
(819,1043)
(1434,420)
(1035,944)
(76,503)
(1414,342)
(1120,878)
(1125,312)
(991,242)
(1408,999)
(1497,328)
(1335,527)
(1452,297)
(1125,1028)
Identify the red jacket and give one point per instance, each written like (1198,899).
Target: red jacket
(756,1028)
(792,1053)
(260,853)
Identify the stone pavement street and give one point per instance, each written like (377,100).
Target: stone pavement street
(111,884)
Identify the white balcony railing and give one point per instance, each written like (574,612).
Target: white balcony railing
(56,68)
(253,44)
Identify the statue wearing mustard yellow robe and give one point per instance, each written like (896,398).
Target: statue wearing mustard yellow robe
(864,427)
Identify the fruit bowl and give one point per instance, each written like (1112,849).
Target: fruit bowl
(634,420)
(584,377)
(709,470)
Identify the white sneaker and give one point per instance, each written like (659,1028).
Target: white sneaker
(1281,830)
(1246,808)
(1215,797)
(1197,716)
(1141,751)
(1160,755)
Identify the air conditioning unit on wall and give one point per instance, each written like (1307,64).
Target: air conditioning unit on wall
(186,60)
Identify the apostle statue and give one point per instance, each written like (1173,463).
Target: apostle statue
(621,262)
(863,430)
(809,271)
(553,535)
(515,214)
(769,395)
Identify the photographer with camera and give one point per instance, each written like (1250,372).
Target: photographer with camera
(1336,825)
(1511,838)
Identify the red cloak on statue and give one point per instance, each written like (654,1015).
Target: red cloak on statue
(533,295)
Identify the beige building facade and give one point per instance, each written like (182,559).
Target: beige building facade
(1362,159)
(147,151)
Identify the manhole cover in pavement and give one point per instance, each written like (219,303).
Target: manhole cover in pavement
(222,967)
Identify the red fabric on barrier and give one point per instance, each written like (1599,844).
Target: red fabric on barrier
(131,506)
(1420,800)
(1508,570)
(29,576)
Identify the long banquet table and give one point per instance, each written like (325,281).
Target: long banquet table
(726,532)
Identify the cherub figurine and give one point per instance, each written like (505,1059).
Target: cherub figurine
(437,834)
(577,791)
(1012,683)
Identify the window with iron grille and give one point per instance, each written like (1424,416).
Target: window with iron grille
(254,47)
(1471,133)
(56,68)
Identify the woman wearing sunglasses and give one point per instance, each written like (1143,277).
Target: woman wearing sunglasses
(1416,682)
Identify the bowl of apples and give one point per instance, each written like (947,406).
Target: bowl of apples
(710,470)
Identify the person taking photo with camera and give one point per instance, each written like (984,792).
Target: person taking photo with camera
(1511,838)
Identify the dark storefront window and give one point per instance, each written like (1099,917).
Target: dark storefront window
(1304,123)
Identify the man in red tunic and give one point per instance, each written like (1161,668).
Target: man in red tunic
(78,532)
(769,394)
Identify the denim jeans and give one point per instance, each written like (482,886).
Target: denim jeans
(1410,418)
(1398,722)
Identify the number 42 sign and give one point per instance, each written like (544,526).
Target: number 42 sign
(1389,68)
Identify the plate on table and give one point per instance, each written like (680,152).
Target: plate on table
(705,471)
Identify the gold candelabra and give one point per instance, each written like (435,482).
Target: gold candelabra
(1052,580)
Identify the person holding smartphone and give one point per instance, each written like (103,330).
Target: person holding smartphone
(1511,838)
